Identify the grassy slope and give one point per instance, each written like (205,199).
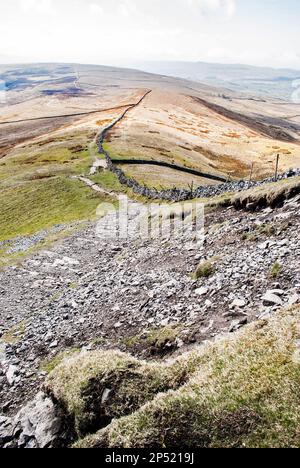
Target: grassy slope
(242,391)
(36,191)
(30,207)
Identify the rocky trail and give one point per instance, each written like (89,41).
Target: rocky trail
(85,293)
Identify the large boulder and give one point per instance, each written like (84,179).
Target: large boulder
(39,424)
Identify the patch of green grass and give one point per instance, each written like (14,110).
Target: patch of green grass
(250,237)
(275,270)
(267,229)
(55,297)
(29,207)
(131,341)
(15,334)
(154,339)
(97,386)
(99,341)
(109,181)
(204,270)
(50,364)
(161,336)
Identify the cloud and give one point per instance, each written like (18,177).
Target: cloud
(96,9)
(39,6)
(120,31)
(164,12)
(231,8)
(224,7)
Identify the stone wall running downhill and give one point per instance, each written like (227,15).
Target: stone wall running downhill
(177,194)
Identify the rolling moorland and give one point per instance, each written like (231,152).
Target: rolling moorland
(146,342)
(266,83)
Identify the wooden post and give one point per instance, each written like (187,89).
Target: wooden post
(192,187)
(251,171)
(277,166)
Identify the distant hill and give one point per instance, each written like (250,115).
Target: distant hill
(261,81)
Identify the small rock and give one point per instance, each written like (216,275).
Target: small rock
(294,299)
(271,299)
(49,337)
(2,352)
(38,423)
(238,303)
(202,291)
(234,314)
(264,245)
(105,395)
(277,292)
(11,375)
(237,324)
(6,430)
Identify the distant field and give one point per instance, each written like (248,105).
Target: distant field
(261,82)
(161,177)
(181,130)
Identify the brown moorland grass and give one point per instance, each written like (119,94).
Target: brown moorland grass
(240,391)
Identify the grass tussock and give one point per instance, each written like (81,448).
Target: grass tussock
(275,270)
(241,391)
(157,341)
(99,386)
(14,335)
(204,270)
(272,195)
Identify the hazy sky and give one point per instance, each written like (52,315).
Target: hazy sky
(262,32)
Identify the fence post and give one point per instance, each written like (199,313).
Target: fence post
(277,166)
(251,171)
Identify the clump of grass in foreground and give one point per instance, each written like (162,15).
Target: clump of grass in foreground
(99,386)
(241,391)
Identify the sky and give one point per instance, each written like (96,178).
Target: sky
(120,32)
